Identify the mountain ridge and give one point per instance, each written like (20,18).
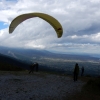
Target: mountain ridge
(62,63)
(30,53)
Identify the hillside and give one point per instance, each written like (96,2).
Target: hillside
(48,61)
(31,54)
(10,63)
(37,86)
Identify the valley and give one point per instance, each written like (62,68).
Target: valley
(48,61)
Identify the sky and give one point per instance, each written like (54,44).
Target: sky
(80,20)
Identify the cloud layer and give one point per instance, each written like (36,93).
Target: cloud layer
(80,21)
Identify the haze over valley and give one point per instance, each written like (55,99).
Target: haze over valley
(48,61)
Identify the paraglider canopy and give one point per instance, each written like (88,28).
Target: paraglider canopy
(51,20)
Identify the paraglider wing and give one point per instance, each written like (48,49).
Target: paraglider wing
(51,20)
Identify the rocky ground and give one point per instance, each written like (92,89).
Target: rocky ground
(37,86)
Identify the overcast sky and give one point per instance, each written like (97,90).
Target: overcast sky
(80,20)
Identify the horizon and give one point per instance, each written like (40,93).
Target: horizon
(55,52)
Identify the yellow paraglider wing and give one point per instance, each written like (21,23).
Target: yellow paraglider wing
(51,20)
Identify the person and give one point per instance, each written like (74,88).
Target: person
(76,72)
(82,71)
(36,67)
(31,68)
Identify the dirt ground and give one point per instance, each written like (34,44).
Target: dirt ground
(37,86)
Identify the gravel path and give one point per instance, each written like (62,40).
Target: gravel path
(37,87)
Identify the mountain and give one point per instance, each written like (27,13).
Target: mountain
(48,61)
(11,64)
(7,62)
(32,54)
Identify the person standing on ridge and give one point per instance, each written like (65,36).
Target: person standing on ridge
(76,72)
(82,71)
(37,67)
(31,68)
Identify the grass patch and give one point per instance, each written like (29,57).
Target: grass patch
(93,86)
(90,91)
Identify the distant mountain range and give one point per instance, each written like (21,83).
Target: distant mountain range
(48,61)
(5,61)
(31,54)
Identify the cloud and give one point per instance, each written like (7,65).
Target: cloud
(80,21)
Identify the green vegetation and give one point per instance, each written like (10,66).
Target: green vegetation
(9,67)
